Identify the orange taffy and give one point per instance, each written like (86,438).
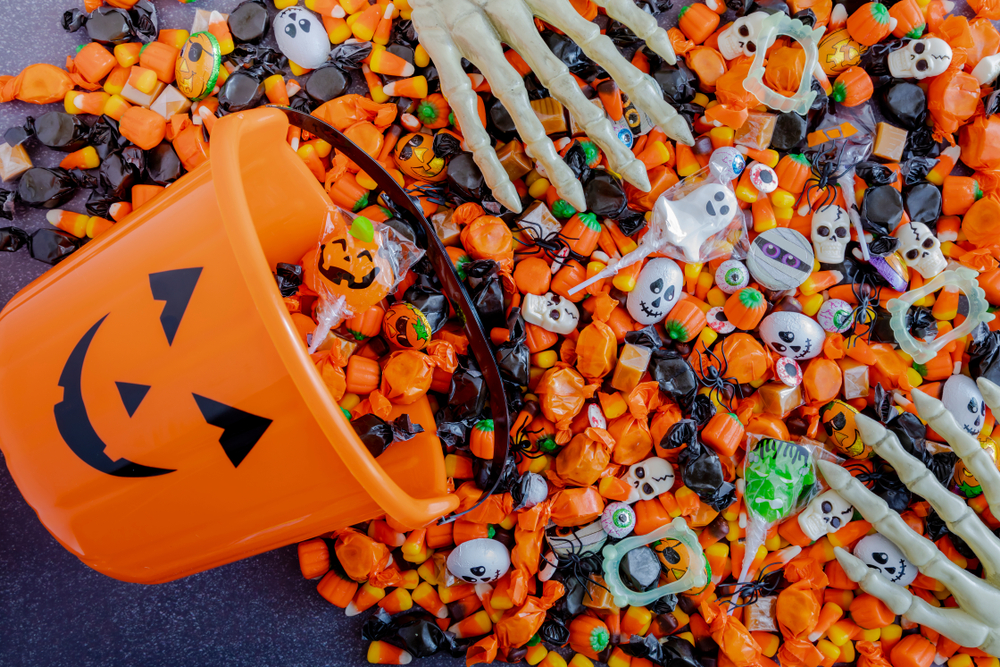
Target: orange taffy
(519,625)
(596,350)
(407,374)
(361,556)
(576,507)
(347,110)
(951,100)
(488,237)
(562,392)
(37,84)
(581,462)
(783,73)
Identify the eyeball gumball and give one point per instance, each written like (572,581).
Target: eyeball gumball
(301,37)
(657,288)
(727,163)
(732,276)
(835,316)
(618,520)
(881,555)
(793,334)
(479,561)
(718,322)
(788,371)
(763,178)
(961,397)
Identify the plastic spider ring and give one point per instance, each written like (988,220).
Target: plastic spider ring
(965,280)
(773,26)
(694,577)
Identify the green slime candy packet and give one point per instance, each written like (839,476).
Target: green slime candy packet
(777,474)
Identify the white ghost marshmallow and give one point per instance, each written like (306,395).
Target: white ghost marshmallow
(301,37)
(881,555)
(657,288)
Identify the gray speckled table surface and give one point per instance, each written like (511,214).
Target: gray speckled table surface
(56,611)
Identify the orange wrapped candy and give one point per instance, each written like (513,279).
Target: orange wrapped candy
(740,358)
(562,392)
(518,626)
(361,556)
(407,374)
(980,142)
(576,507)
(581,462)
(783,73)
(346,110)
(797,610)
(596,350)
(37,84)
(951,100)
(870,655)
(488,237)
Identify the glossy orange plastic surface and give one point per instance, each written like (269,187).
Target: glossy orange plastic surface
(158,408)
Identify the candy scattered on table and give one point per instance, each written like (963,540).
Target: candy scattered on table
(678,360)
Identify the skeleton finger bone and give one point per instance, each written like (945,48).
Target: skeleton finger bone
(643,25)
(641,88)
(475,38)
(957,515)
(967,589)
(965,445)
(464,102)
(516,27)
(953,623)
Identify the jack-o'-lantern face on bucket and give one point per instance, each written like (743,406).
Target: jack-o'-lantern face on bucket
(416,158)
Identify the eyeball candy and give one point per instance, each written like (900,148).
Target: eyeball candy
(301,37)
(763,178)
(479,561)
(618,520)
(835,316)
(718,322)
(732,276)
(657,288)
(794,335)
(727,163)
(788,371)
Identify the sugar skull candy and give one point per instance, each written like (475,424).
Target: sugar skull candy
(962,398)
(827,513)
(479,561)
(921,249)
(657,288)
(920,59)
(881,555)
(830,234)
(649,479)
(740,39)
(550,312)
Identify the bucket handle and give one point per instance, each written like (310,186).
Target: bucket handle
(236,216)
(450,283)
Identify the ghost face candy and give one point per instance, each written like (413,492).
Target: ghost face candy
(881,555)
(961,397)
(479,561)
(793,335)
(301,37)
(657,288)
(689,222)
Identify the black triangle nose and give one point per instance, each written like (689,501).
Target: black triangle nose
(656,304)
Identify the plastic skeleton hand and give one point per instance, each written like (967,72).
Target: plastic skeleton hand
(450,29)
(975,623)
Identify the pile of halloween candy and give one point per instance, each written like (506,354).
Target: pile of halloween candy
(678,360)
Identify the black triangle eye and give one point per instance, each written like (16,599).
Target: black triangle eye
(290,30)
(305,25)
(657,286)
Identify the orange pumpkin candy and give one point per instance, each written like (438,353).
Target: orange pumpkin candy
(852,87)
(405,327)
(869,24)
(745,308)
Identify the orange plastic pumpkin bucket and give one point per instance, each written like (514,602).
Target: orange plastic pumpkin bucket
(158,409)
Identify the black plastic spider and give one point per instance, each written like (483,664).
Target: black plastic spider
(749,592)
(869,476)
(554,246)
(434,192)
(580,566)
(714,377)
(864,314)
(825,177)
(521,447)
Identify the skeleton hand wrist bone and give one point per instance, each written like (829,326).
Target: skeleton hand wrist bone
(451,29)
(975,622)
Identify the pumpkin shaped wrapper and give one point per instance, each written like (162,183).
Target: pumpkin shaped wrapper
(355,265)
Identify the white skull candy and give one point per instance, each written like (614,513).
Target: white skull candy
(827,513)
(962,398)
(301,37)
(479,561)
(657,288)
(830,234)
(921,249)
(550,312)
(793,335)
(920,59)
(649,479)
(740,39)
(881,555)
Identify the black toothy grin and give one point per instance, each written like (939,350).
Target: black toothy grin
(649,313)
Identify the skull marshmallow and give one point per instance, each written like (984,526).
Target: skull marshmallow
(920,59)
(827,513)
(649,479)
(881,555)
(657,288)
(921,249)
(830,234)
(550,312)
(740,39)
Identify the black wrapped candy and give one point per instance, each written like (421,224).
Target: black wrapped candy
(162,164)
(52,246)
(675,376)
(249,22)
(605,194)
(12,239)
(46,188)
(240,92)
(60,131)
(327,83)
(881,209)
